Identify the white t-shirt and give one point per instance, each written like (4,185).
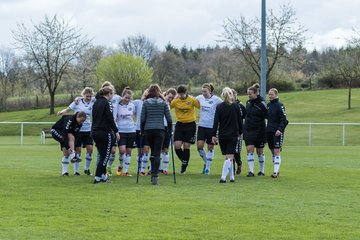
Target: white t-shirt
(83,106)
(207,110)
(125,117)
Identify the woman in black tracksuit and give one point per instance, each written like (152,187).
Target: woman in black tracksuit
(275,128)
(254,129)
(153,111)
(103,130)
(64,131)
(228,122)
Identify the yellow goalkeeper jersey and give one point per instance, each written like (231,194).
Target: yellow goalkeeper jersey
(185,109)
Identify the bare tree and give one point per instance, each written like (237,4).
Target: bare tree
(9,73)
(139,46)
(51,45)
(282,35)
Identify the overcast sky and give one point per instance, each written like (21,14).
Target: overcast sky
(194,23)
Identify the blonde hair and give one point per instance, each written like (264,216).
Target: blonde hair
(228,96)
(274,90)
(127,90)
(106,90)
(87,90)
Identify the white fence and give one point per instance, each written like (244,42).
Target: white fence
(309,126)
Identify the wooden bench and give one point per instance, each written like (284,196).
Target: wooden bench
(45,133)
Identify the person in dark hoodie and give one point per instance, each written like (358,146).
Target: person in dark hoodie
(228,122)
(64,131)
(275,128)
(103,130)
(153,111)
(254,129)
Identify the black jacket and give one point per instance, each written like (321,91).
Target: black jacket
(256,112)
(102,117)
(67,124)
(276,116)
(228,120)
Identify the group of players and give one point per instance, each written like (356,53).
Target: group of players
(146,124)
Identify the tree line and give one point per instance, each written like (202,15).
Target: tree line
(56,57)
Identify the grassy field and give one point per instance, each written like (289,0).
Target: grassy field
(316,197)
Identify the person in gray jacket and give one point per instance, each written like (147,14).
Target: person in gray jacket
(152,126)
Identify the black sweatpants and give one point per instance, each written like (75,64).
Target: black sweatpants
(103,140)
(155,138)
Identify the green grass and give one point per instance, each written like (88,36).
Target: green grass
(316,197)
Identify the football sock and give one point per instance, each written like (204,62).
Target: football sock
(225,170)
(250,158)
(208,163)
(65,164)
(210,154)
(202,154)
(111,159)
(179,153)
(262,162)
(165,161)
(277,162)
(231,169)
(88,160)
(76,167)
(127,159)
(121,159)
(186,156)
(144,161)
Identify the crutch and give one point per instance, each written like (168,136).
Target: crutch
(139,160)
(172,158)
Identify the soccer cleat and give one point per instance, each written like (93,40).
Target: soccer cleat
(127,174)
(65,174)
(97,181)
(232,180)
(261,173)
(183,169)
(73,157)
(222,181)
(250,174)
(119,171)
(203,171)
(78,159)
(165,172)
(108,171)
(76,174)
(275,175)
(207,172)
(87,172)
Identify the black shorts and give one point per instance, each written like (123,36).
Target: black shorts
(166,142)
(256,138)
(228,145)
(127,139)
(274,141)
(185,132)
(58,136)
(204,134)
(82,139)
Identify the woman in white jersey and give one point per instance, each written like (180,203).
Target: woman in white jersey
(169,95)
(208,103)
(143,148)
(126,125)
(83,138)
